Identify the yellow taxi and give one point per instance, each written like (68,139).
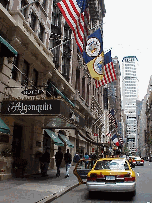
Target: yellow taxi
(112,175)
(139,161)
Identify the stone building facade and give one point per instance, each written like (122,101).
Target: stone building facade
(47,96)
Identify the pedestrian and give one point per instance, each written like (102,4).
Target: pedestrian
(94,158)
(76,158)
(58,159)
(67,159)
(45,160)
(90,156)
(86,156)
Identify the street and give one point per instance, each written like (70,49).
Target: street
(143,190)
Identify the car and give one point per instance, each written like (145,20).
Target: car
(82,169)
(139,161)
(150,159)
(112,175)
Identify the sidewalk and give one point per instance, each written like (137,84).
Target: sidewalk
(37,189)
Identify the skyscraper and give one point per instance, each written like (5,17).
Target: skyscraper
(129,97)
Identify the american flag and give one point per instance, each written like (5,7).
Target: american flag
(108,70)
(108,77)
(76,13)
(112,119)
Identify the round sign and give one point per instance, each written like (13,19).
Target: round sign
(93,47)
(98,65)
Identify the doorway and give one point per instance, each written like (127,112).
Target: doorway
(17,140)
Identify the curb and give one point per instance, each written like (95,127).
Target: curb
(56,195)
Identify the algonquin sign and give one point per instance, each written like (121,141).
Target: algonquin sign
(30,107)
(40,107)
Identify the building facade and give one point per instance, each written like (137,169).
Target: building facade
(47,96)
(148,120)
(129,97)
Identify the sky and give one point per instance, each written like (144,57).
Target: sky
(127,30)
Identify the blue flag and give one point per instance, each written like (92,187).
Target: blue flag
(107,58)
(94,56)
(94,46)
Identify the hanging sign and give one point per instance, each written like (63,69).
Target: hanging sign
(32,92)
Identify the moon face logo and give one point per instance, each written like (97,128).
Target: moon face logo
(93,47)
(98,65)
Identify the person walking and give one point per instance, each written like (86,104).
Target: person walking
(45,160)
(67,159)
(76,158)
(86,156)
(58,159)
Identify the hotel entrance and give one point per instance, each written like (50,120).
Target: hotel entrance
(17,140)
(18,165)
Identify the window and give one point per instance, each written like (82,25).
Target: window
(41,34)
(24,11)
(65,67)
(25,72)
(14,69)
(55,52)
(35,77)
(77,85)
(112,165)
(56,15)
(33,21)
(1,63)
(88,90)
(5,3)
(83,87)
(44,4)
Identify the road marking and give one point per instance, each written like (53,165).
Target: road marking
(138,173)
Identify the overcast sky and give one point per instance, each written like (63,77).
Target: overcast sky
(127,30)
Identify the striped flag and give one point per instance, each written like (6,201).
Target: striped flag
(108,134)
(109,72)
(115,140)
(76,14)
(112,118)
(121,140)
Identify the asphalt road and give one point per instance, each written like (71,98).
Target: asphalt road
(143,191)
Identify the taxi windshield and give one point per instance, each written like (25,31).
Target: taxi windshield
(116,164)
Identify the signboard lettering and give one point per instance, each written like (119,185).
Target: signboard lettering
(22,108)
(32,92)
(31,107)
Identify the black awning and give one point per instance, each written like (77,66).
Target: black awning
(90,140)
(6,49)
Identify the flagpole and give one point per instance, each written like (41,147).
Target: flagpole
(61,44)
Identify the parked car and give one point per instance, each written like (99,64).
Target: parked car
(139,161)
(112,175)
(150,159)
